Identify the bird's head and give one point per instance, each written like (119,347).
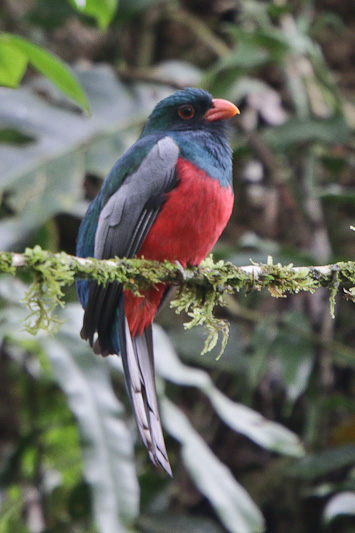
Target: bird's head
(189,109)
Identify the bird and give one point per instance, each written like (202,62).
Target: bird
(168,197)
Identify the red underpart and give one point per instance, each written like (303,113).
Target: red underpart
(186,229)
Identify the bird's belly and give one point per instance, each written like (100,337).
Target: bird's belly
(187,227)
(191,220)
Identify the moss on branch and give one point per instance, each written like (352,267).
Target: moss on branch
(200,289)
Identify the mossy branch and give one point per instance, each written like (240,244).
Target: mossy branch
(200,289)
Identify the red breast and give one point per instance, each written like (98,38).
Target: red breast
(186,229)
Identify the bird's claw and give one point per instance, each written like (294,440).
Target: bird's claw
(181,269)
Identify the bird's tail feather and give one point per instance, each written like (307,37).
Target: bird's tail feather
(138,363)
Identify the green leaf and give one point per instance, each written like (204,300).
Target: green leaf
(102,10)
(13,64)
(41,195)
(189,343)
(245,56)
(10,512)
(235,508)
(270,435)
(337,195)
(322,463)
(48,65)
(13,136)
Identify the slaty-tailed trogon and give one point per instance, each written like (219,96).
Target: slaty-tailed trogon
(168,197)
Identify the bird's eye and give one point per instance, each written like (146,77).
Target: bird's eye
(186,112)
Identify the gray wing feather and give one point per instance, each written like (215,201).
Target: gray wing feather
(122,227)
(122,213)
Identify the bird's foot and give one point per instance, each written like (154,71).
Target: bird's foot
(181,269)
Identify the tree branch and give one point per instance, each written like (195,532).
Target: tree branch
(200,289)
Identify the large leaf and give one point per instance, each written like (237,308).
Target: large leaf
(42,195)
(46,63)
(190,342)
(13,64)
(266,433)
(231,502)
(328,131)
(294,353)
(324,462)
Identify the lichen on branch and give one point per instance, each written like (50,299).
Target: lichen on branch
(200,289)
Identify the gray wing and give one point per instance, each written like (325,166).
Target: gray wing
(128,214)
(122,227)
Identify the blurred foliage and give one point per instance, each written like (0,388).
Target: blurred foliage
(16,53)
(287,376)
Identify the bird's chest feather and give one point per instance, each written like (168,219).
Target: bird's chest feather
(192,218)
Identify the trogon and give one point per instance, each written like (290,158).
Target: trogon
(168,197)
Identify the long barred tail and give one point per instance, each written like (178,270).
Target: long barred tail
(138,363)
